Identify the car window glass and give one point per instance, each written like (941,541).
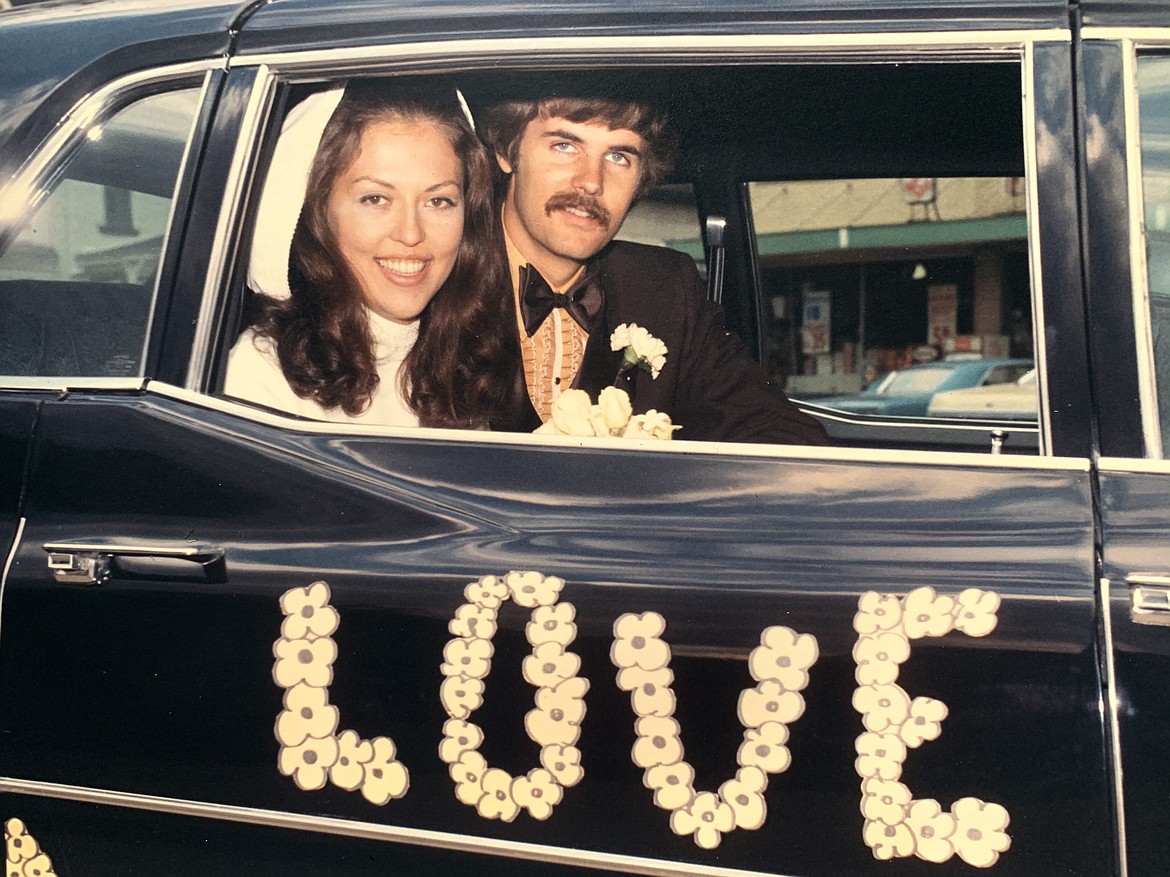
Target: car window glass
(1154,108)
(78,278)
(868,278)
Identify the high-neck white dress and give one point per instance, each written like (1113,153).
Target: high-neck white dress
(254,374)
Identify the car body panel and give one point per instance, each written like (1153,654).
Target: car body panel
(183,685)
(1012,401)
(138,718)
(1134,523)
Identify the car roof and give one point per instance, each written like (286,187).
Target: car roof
(286,24)
(56,53)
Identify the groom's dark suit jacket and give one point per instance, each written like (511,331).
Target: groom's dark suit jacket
(709,385)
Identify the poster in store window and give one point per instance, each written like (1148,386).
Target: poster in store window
(942,313)
(814,324)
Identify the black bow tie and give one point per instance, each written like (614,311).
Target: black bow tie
(583,300)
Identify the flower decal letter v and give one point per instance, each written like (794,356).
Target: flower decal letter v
(779,665)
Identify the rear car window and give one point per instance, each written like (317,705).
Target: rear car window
(78,278)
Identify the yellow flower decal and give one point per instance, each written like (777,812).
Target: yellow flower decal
(896,824)
(307,612)
(24,857)
(779,665)
(560,697)
(384,776)
(312,753)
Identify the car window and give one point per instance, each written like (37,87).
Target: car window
(833,283)
(1154,108)
(78,279)
(898,237)
(867,276)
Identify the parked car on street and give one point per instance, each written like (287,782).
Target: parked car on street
(1011,401)
(237,641)
(907,392)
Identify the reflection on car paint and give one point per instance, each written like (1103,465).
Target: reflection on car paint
(896,824)
(23,855)
(779,664)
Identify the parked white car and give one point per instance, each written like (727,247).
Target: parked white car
(1014,401)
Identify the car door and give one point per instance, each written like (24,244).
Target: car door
(1128,110)
(268,644)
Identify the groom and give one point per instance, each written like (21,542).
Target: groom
(574,168)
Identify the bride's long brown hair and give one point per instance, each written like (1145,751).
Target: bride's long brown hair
(461,370)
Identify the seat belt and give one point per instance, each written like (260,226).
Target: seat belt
(716,226)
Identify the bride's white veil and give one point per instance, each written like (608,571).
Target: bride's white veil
(283,195)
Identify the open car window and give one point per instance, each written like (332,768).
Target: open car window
(838,268)
(898,268)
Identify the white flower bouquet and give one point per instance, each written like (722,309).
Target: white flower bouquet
(574,413)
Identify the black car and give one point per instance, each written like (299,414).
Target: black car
(236,641)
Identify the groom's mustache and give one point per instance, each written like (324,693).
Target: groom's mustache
(586,204)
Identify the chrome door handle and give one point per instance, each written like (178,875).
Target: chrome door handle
(87,563)
(1149,597)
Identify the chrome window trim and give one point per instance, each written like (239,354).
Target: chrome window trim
(984,42)
(784,452)
(9,561)
(1133,466)
(625,864)
(255,115)
(1140,36)
(1110,705)
(25,188)
(887,420)
(1032,211)
(1139,269)
(66,383)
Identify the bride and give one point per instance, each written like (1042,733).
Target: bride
(380,297)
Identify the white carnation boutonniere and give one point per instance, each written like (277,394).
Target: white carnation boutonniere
(574,413)
(640,350)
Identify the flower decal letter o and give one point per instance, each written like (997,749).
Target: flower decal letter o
(560,697)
